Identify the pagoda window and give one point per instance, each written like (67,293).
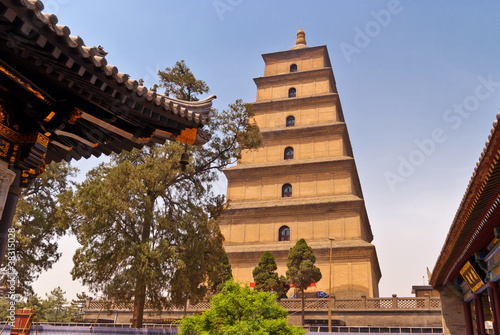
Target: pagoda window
(292,92)
(289,153)
(286,191)
(293,68)
(290,121)
(284,233)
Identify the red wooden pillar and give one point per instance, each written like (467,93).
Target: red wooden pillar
(494,305)
(468,318)
(478,306)
(8,212)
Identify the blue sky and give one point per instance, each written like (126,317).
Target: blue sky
(419,83)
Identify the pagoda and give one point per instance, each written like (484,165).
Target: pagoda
(303,182)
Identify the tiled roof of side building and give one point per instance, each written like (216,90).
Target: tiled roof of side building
(61,100)
(195,111)
(470,224)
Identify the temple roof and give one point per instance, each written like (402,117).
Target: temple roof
(472,229)
(55,85)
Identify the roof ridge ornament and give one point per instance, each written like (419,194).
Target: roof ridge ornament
(100,51)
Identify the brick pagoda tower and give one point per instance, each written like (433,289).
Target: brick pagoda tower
(303,183)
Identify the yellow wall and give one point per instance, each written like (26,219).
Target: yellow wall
(271,91)
(304,115)
(304,185)
(327,146)
(311,61)
(341,224)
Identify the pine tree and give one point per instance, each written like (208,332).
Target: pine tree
(301,269)
(220,273)
(57,309)
(199,249)
(4,306)
(138,216)
(266,279)
(78,304)
(37,225)
(180,81)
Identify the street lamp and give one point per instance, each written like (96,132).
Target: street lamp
(330,289)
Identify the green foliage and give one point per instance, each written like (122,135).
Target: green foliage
(78,304)
(57,308)
(200,247)
(220,273)
(283,288)
(266,279)
(4,306)
(128,237)
(146,225)
(180,81)
(301,269)
(37,225)
(239,310)
(241,133)
(40,306)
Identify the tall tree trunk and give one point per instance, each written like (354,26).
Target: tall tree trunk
(139,302)
(303,310)
(140,286)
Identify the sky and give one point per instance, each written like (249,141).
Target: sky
(418,81)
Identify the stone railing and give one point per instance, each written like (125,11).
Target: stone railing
(364,303)
(392,303)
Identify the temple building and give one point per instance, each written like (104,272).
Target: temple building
(61,100)
(303,182)
(467,271)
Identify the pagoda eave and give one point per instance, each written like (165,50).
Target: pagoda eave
(260,106)
(332,202)
(331,163)
(328,128)
(294,76)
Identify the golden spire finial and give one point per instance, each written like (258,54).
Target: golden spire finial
(301,37)
(301,40)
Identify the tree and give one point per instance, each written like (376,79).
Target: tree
(133,241)
(301,269)
(78,304)
(37,225)
(283,288)
(56,306)
(220,273)
(200,248)
(180,81)
(266,279)
(239,310)
(4,312)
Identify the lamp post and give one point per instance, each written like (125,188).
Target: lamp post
(330,288)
